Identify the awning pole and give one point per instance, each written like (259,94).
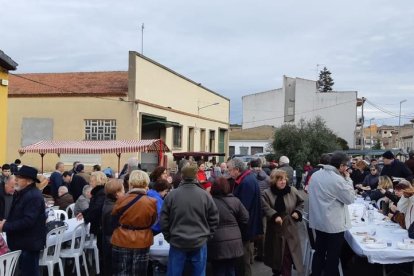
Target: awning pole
(119,163)
(42,155)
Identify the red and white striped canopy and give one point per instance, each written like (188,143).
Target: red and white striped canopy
(96,147)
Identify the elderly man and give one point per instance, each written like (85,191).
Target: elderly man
(330,191)
(56,179)
(395,168)
(26,223)
(284,165)
(189,218)
(246,188)
(6,197)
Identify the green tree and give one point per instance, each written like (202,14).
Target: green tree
(306,141)
(325,81)
(377,145)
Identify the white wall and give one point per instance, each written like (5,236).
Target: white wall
(338,109)
(248,143)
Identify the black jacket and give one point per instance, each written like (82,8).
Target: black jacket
(397,169)
(26,224)
(94,213)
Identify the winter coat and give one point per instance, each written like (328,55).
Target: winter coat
(108,225)
(154,194)
(64,201)
(227,241)
(189,216)
(135,223)
(81,204)
(406,206)
(397,169)
(371,180)
(94,213)
(76,186)
(247,190)
(262,180)
(410,164)
(289,171)
(277,237)
(26,225)
(329,196)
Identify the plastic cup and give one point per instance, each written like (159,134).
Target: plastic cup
(389,243)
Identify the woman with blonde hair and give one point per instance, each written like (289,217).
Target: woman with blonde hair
(131,240)
(282,205)
(93,214)
(384,185)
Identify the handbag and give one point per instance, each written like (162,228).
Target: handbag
(4,248)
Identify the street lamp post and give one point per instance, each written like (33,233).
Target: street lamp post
(370,131)
(399,124)
(205,107)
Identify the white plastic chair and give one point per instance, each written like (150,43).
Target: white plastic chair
(60,213)
(70,210)
(49,256)
(8,263)
(91,243)
(76,248)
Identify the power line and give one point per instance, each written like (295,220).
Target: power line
(394,115)
(279,117)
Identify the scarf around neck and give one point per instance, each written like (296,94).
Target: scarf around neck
(279,202)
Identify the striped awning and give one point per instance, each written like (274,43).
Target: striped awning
(96,147)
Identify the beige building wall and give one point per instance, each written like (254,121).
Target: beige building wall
(67,116)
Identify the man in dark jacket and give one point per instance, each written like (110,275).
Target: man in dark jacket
(26,224)
(410,162)
(395,168)
(247,189)
(189,218)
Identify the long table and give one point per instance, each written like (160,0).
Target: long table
(381,230)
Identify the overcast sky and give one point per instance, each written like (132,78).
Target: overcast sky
(232,47)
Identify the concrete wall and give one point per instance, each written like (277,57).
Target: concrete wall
(3,117)
(298,98)
(67,116)
(265,108)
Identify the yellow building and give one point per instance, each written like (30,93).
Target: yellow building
(6,65)
(148,101)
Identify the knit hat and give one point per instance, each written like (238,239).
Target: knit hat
(388,154)
(284,160)
(189,172)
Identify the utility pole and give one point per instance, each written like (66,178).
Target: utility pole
(399,125)
(142,39)
(362,123)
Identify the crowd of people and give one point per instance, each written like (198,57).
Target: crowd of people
(229,215)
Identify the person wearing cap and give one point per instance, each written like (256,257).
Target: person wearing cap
(395,168)
(26,224)
(284,166)
(410,162)
(189,218)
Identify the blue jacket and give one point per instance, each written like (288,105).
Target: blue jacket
(154,194)
(26,224)
(248,191)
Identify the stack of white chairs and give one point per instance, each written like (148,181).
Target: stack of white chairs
(8,263)
(70,210)
(50,255)
(91,243)
(61,215)
(76,249)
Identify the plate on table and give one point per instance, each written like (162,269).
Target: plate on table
(368,240)
(405,246)
(361,233)
(399,231)
(376,245)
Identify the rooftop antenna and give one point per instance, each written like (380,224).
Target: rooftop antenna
(142,39)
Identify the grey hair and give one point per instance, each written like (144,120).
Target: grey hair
(182,163)
(238,164)
(63,189)
(86,189)
(132,164)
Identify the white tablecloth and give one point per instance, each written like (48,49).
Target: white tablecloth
(67,235)
(384,231)
(160,249)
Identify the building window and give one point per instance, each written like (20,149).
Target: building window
(177,134)
(100,129)
(244,150)
(254,150)
(232,150)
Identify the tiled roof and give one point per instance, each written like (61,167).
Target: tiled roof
(255,133)
(81,84)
